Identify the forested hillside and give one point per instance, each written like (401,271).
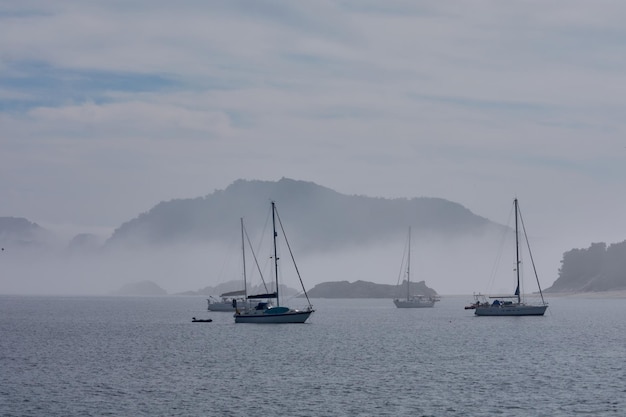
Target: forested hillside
(596,268)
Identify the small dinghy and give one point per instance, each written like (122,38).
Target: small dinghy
(195,320)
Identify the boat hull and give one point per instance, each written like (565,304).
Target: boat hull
(413,304)
(221,307)
(288,317)
(514,310)
(226,305)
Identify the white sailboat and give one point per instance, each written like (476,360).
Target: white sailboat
(230,300)
(413,301)
(265,311)
(511,305)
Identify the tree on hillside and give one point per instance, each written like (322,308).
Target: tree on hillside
(597,268)
(578,265)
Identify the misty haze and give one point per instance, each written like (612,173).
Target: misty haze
(186,245)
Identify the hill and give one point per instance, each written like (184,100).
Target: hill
(18,232)
(326,218)
(597,268)
(364,289)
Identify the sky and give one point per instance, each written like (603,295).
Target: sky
(109,107)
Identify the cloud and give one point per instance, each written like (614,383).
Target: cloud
(132,118)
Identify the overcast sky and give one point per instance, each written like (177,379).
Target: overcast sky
(108,107)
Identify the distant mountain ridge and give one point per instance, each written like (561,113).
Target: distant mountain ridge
(318,218)
(183,242)
(325,217)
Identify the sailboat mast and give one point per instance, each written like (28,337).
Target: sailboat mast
(408,269)
(243,256)
(275,251)
(517,291)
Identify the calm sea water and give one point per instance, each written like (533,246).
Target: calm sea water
(118,356)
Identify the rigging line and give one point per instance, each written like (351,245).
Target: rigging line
(291,253)
(256,261)
(259,247)
(496,265)
(227,258)
(530,254)
(264,230)
(404,257)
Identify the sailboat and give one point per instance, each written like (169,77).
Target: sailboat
(413,301)
(265,311)
(511,305)
(230,300)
